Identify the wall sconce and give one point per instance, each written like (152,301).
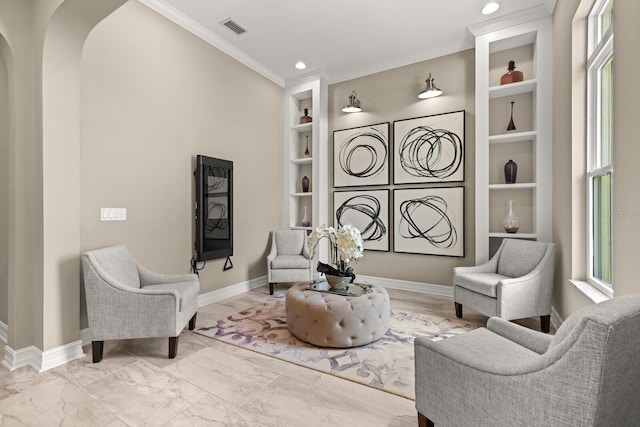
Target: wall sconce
(354,104)
(431,91)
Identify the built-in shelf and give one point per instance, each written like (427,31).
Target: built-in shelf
(303,161)
(514,235)
(511,89)
(513,137)
(516,186)
(308,93)
(304,127)
(529,45)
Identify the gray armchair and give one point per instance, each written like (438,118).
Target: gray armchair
(124,300)
(289,259)
(508,375)
(516,283)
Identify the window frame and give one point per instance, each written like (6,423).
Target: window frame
(600,51)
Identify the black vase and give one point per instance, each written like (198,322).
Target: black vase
(305,184)
(510,172)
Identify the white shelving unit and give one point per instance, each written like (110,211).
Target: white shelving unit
(529,44)
(307,92)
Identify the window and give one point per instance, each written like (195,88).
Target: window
(600,145)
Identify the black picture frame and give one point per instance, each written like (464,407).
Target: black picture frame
(429,149)
(368,211)
(429,221)
(361,156)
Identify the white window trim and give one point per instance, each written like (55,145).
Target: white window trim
(598,54)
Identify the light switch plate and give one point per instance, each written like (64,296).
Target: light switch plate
(113,214)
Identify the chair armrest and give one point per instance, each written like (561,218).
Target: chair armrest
(533,340)
(148,277)
(305,250)
(273,253)
(487,267)
(529,295)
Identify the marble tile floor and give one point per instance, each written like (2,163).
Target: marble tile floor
(208,383)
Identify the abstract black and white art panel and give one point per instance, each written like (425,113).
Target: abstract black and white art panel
(368,211)
(361,156)
(429,221)
(429,149)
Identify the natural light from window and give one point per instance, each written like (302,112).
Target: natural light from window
(600,145)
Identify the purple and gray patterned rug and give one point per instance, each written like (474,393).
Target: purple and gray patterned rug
(387,364)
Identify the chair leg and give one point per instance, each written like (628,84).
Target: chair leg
(173,347)
(424,421)
(271,287)
(192,322)
(96,349)
(458,310)
(545,323)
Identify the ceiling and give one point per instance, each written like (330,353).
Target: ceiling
(343,38)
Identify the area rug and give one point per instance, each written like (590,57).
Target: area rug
(386,364)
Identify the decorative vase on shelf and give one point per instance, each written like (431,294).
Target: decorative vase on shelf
(305,184)
(306,118)
(306,151)
(511,222)
(510,172)
(511,76)
(511,126)
(305,220)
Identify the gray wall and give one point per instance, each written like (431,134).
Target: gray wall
(393,95)
(153,96)
(4,187)
(569,158)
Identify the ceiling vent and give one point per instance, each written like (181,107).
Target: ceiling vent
(233,26)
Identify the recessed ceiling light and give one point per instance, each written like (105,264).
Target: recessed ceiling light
(301,65)
(490,8)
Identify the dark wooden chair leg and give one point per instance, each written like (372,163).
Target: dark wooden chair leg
(96,348)
(458,310)
(271,287)
(173,347)
(424,421)
(545,323)
(192,322)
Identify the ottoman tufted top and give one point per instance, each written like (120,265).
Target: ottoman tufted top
(330,320)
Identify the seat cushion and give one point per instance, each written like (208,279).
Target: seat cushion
(289,261)
(188,291)
(519,257)
(482,283)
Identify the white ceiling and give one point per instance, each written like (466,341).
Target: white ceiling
(343,38)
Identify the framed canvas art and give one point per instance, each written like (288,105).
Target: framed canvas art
(361,156)
(368,211)
(429,221)
(429,149)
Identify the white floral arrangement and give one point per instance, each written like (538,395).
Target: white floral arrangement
(346,243)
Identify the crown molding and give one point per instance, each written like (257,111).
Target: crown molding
(216,41)
(517,18)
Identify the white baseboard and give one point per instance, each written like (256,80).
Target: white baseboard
(230,291)
(4,332)
(405,285)
(39,360)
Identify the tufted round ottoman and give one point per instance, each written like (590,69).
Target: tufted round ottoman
(330,320)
